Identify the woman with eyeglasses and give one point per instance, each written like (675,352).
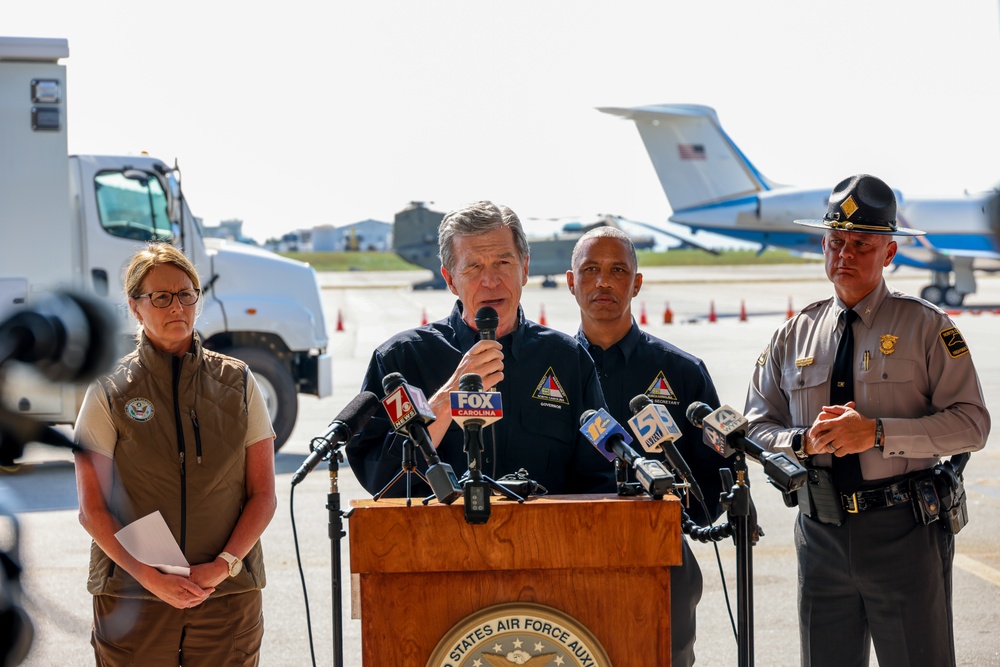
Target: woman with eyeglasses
(182,431)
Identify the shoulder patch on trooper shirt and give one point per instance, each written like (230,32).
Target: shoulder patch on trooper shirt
(762,359)
(954,342)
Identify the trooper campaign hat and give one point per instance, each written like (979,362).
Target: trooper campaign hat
(862,203)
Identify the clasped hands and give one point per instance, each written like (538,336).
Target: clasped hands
(840,430)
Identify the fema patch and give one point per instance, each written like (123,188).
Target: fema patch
(661,390)
(139,409)
(549,389)
(954,342)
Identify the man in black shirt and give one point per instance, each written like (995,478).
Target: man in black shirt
(545,378)
(604,279)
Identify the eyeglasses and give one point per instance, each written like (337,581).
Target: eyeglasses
(187,297)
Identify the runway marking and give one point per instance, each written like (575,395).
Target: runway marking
(981,570)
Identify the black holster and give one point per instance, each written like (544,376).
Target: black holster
(819,498)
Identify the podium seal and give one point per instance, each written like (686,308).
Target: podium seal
(519,633)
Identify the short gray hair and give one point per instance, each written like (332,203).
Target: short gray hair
(478,218)
(605,231)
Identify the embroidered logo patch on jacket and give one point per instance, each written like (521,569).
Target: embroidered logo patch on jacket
(661,389)
(139,409)
(549,389)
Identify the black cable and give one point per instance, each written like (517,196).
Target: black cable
(714,534)
(302,575)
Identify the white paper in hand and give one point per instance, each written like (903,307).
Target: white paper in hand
(149,541)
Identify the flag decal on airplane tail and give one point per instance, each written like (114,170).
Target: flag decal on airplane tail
(691,151)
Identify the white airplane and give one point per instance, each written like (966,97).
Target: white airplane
(712,186)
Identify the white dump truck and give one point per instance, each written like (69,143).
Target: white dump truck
(73,221)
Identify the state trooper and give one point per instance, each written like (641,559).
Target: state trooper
(870,389)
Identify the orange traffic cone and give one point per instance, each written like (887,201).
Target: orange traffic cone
(643,320)
(743,311)
(711,312)
(791,311)
(668,315)
(340,321)
(423,317)
(541,315)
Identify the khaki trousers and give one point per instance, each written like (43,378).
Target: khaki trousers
(221,632)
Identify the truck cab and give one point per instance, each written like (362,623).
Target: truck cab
(75,221)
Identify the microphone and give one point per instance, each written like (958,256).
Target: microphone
(68,337)
(656,430)
(487,322)
(608,437)
(343,427)
(472,408)
(470,404)
(410,413)
(725,432)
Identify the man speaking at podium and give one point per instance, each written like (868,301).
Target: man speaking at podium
(604,279)
(545,378)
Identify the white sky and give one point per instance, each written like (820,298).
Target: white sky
(294,114)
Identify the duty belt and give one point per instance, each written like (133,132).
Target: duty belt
(872,499)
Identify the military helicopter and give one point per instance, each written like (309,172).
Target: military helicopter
(415,239)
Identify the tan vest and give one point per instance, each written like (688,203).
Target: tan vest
(182,425)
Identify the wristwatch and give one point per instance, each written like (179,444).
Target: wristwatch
(879,435)
(235,564)
(799,445)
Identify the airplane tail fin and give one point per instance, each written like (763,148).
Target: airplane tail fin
(697,163)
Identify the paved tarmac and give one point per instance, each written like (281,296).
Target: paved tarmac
(372,307)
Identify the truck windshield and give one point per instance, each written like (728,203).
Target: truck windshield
(132,208)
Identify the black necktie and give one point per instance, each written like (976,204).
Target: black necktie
(846,469)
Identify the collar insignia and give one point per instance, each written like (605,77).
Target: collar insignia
(550,390)
(661,389)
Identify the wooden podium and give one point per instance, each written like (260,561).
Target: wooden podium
(601,559)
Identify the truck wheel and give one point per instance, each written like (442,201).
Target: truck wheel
(277,386)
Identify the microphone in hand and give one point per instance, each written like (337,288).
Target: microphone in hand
(487,322)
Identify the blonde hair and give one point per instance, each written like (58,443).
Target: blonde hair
(155,254)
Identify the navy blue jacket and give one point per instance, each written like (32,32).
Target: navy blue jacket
(643,364)
(549,381)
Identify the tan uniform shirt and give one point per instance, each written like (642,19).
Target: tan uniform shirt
(912,368)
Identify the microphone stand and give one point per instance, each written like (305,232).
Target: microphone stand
(409,466)
(739,510)
(337,535)
(474,475)
(474,450)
